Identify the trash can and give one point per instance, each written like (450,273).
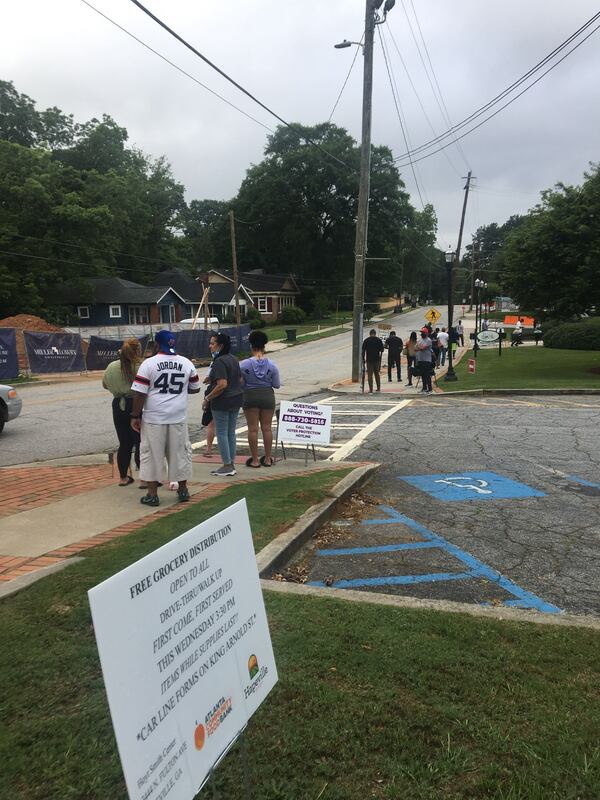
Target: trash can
(291,334)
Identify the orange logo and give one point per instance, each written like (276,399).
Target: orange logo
(199,736)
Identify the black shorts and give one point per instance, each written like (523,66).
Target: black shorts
(263,399)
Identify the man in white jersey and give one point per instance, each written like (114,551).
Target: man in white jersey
(160,392)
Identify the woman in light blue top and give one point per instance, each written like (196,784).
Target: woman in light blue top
(260,376)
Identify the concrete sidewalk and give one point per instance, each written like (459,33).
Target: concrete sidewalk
(53,511)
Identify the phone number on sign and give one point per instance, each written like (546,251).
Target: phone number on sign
(305,420)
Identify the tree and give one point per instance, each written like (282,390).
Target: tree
(551,262)
(205,225)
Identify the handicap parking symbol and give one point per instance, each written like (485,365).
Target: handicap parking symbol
(457,486)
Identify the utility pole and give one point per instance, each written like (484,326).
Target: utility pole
(450,374)
(235,271)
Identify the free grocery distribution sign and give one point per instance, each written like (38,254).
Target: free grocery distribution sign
(186,654)
(305,423)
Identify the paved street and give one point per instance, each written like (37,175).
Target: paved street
(74,418)
(489,501)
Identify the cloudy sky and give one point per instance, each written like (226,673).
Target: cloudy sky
(63,53)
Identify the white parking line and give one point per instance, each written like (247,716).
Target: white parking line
(357,440)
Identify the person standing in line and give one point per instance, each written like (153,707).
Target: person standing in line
(537,333)
(424,360)
(460,333)
(208,421)
(442,338)
(372,348)
(260,377)
(410,350)
(161,388)
(225,400)
(485,324)
(117,379)
(394,347)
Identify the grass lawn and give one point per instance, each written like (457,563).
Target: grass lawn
(278,331)
(528,368)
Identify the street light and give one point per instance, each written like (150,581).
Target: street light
(449,256)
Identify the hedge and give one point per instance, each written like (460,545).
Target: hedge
(581,335)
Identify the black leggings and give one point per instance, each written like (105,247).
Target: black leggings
(128,438)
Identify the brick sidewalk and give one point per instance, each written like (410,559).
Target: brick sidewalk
(30,487)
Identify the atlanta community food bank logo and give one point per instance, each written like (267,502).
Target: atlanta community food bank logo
(252,665)
(212,720)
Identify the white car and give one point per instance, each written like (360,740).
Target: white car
(186,324)
(10,405)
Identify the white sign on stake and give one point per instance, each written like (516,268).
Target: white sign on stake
(186,654)
(305,423)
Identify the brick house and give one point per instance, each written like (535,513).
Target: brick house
(270,294)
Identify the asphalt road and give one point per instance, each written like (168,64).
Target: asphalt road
(545,543)
(74,418)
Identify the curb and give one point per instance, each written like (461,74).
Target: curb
(447,606)
(502,392)
(16,584)
(281,549)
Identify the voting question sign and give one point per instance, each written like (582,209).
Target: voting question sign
(186,654)
(305,423)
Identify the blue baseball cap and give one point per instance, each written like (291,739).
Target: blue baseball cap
(166,342)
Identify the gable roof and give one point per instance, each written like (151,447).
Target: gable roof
(186,286)
(116,291)
(256,282)
(223,293)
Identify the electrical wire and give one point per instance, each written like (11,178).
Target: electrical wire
(238,86)
(499,97)
(399,112)
(175,66)
(512,100)
(339,97)
(416,93)
(445,107)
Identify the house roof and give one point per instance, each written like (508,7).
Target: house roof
(256,282)
(117,291)
(223,293)
(184,284)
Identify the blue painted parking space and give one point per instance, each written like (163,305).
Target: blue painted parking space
(475,569)
(460,486)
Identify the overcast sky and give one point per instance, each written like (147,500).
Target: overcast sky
(62,53)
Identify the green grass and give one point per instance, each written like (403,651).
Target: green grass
(278,331)
(527,367)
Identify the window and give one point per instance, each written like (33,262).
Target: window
(138,315)
(114,312)
(83,312)
(261,304)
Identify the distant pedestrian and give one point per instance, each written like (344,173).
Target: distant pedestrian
(394,347)
(442,338)
(537,333)
(117,379)
(517,334)
(485,324)
(460,333)
(208,421)
(372,349)
(410,351)
(161,388)
(260,377)
(424,360)
(225,399)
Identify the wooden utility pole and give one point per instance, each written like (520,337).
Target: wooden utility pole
(450,374)
(235,270)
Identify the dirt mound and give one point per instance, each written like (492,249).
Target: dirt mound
(29,322)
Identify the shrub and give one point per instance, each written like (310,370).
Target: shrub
(292,315)
(255,318)
(320,307)
(584,334)
(367,315)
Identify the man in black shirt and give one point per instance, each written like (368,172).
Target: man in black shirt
(372,349)
(394,347)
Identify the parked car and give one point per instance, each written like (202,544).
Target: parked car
(10,405)
(186,324)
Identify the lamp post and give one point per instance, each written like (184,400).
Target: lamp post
(478,284)
(449,256)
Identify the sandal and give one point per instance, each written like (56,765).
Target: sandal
(264,463)
(251,465)
(128,482)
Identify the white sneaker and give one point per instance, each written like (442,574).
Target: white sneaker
(223,472)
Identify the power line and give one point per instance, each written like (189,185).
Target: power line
(175,66)
(398,111)
(236,84)
(425,114)
(491,116)
(447,115)
(498,98)
(339,97)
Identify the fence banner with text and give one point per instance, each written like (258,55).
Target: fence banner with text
(9,363)
(102,351)
(54,352)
